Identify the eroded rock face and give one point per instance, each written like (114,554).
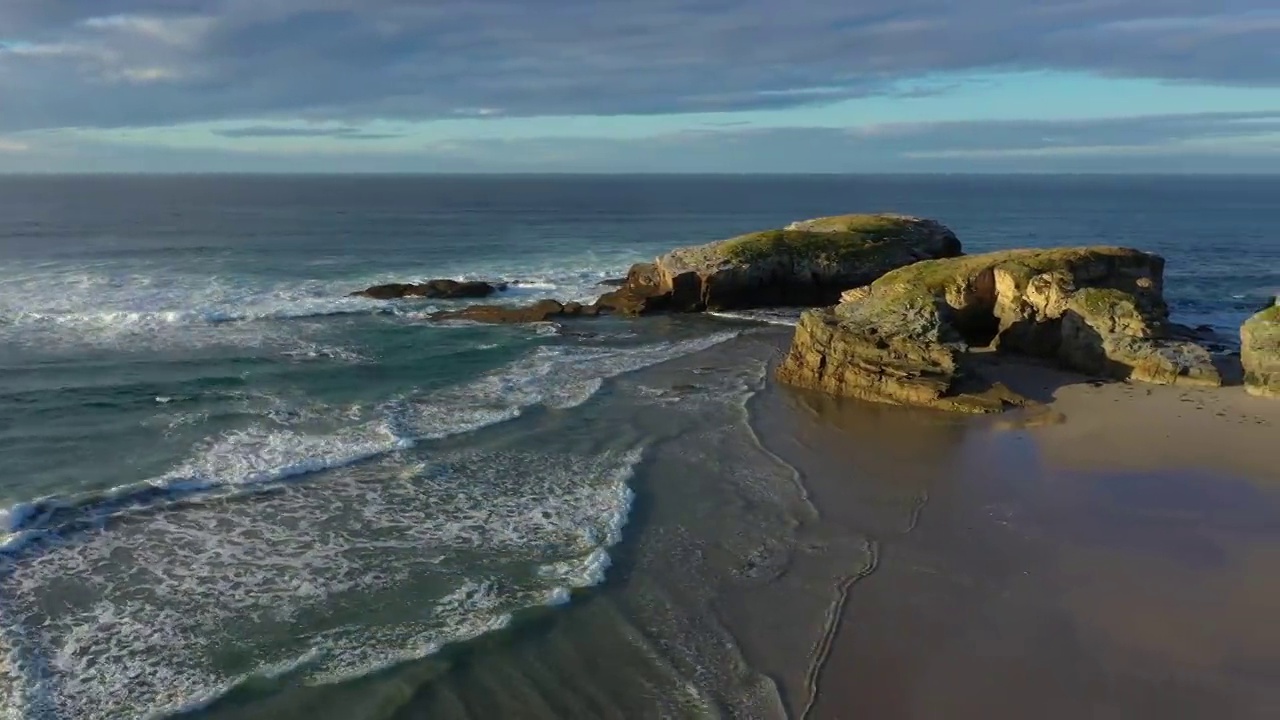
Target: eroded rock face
(1111,333)
(808,263)
(439,289)
(906,337)
(872,352)
(1260,352)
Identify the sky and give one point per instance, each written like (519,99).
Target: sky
(735,86)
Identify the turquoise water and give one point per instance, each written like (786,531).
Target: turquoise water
(218,468)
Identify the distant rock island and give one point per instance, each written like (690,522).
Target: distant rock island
(807,263)
(902,316)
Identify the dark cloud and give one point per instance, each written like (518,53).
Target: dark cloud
(103,63)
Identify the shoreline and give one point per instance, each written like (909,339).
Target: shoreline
(1104,555)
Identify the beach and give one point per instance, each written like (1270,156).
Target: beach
(1110,559)
(873,561)
(236,490)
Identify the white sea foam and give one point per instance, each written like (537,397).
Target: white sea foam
(112,306)
(558,377)
(165,575)
(138,305)
(258,456)
(316,351)
(788,317)
(153,604)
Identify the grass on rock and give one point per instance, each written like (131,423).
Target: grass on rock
(831,239)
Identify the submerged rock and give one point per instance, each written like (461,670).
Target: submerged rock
(905,338)
(808,263)
(1260,352)
(540,311)
(443,289)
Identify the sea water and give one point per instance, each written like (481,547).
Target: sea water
(230,488)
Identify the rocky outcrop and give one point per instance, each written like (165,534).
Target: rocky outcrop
(1260,352)
(438,289)
(906,338)
(808,263)
(1111,333)
(541,311)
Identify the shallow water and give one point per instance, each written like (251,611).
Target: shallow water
(226,482)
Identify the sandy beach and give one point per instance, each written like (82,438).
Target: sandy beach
(1110,555)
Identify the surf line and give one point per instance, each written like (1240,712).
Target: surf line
(822,650)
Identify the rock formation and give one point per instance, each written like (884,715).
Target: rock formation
(906,337)
(439,289)
(808,263)
(1260,352)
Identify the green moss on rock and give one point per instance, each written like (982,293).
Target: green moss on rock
(934,276)
(864,223)
(830,239)
(807,263)
(1101,301)
(1260,352)
(805,245)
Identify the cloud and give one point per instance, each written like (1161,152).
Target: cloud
(115,63)
(1194,142)
(936,139)
(1210,142)
(12,146)
(293,131)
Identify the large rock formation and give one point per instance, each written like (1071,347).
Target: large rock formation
(808,263)
(906,337)
(1260,352)
(438,289)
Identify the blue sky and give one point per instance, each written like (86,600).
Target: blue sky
(640,86)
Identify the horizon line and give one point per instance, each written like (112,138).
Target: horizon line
(640,173)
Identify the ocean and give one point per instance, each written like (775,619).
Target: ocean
(229,490)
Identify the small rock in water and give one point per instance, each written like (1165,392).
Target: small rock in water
(442,289)
(541,311)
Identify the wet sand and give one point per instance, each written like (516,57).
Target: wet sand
(1114,556)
